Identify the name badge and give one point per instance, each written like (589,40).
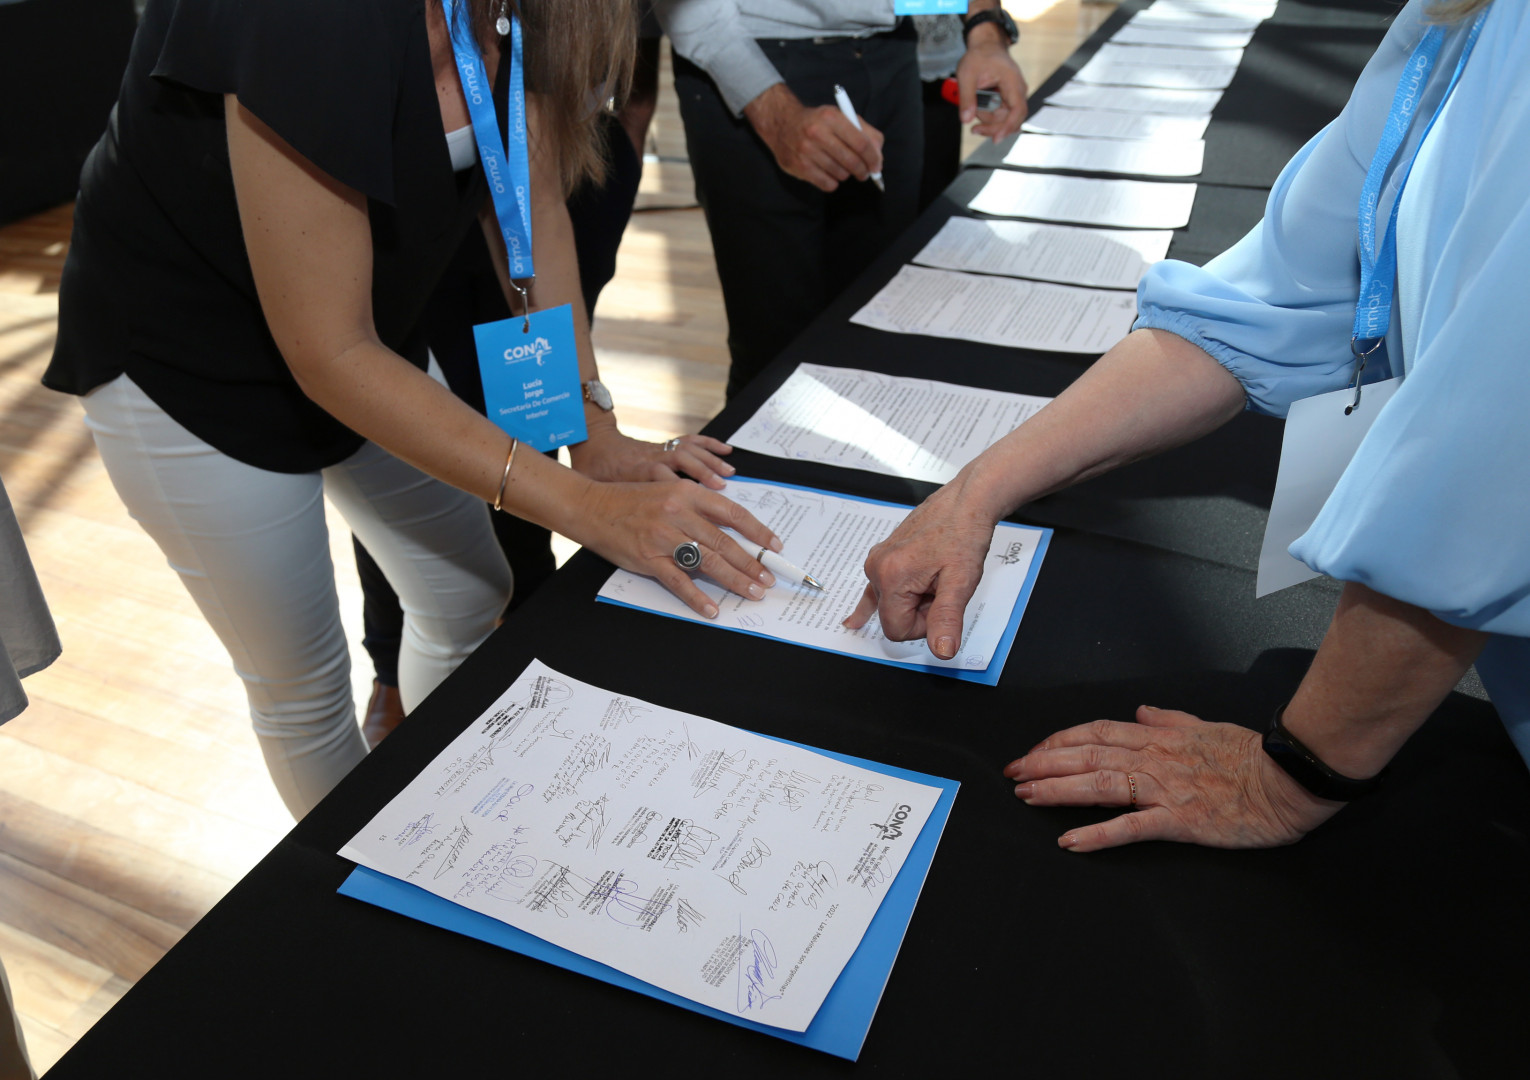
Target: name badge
(531,377)
(1320,441)
(929,7)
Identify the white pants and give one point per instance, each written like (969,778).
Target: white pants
(252,549)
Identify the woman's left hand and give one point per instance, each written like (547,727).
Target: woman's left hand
(610,456)
(1193,781)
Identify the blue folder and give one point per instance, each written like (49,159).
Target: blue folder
(842,1021)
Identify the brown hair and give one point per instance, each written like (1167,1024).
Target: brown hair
(578,57)
(1451,10)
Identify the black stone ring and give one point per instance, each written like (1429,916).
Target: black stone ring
(688,555)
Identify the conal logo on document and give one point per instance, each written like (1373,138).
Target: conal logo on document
(892,828)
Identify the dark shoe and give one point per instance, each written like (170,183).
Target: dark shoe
(384,713)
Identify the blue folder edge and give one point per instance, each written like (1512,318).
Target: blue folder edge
(842,1021)
(989,676)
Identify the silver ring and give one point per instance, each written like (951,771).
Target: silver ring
(687,556)
(1132,780)
(672,444)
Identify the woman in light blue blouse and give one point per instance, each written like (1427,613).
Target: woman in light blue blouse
(1430,525)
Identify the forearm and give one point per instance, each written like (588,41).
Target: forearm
(1152,392)
(1383,668)
(381,396)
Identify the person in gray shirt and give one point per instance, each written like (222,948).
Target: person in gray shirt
(785,179)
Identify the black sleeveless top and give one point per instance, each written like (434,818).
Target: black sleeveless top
(157,282)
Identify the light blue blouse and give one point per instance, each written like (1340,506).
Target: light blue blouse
(1434,510)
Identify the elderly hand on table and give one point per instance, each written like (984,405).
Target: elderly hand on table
(922,576)
(1186,780)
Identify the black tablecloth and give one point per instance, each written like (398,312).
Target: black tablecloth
(1388,943)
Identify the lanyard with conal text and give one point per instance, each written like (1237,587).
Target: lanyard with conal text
(507,169)
(1378,266)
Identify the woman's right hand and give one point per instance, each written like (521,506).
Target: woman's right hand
(922,576)
(638,526)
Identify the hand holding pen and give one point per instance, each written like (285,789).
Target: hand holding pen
(818,145)
(842,99)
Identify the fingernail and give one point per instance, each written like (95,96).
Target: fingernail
(767,578)
(945,648)
(756,592)
(1067,840)
(729,469)
(775,544)
(1151,708)
(710,611)
(1025,791)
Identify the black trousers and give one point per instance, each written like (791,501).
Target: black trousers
(785,249)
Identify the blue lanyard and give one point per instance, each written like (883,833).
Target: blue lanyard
(508,169)
(1378,267)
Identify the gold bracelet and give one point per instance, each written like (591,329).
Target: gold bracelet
(499,496)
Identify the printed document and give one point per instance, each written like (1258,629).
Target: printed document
(1109,73)
(1132,157)
(1136,99)
(1183,17)
(1169,55)
(829,536)
(1000,311)
(1149,34)
(728,868)
(1104,124)
(916,428)
(1101,258)
(1126,204)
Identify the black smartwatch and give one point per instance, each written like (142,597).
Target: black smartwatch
(1309,770)
(991,15)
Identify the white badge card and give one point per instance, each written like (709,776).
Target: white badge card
(530,371)
(1320,442)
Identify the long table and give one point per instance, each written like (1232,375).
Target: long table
(1391,942)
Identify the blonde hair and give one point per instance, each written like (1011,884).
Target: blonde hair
(1451,10)
(579,56)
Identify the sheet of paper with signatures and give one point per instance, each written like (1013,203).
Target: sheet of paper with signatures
(735,870)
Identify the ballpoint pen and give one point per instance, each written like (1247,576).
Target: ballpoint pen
(781,568)
(842,99)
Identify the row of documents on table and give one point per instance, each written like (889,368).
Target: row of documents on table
(1138,108)
(750,879)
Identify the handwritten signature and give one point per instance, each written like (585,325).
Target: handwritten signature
(691,847)
(757,852)
(687,915)
(756,965)
(818,880)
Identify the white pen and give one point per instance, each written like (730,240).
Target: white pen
(781,568)
(842,99)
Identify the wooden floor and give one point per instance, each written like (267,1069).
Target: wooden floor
(132,794)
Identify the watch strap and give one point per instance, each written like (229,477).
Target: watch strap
(1309,770)
(994,15)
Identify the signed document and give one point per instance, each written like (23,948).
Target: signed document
(829,536)
(731,869)
(918,428)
